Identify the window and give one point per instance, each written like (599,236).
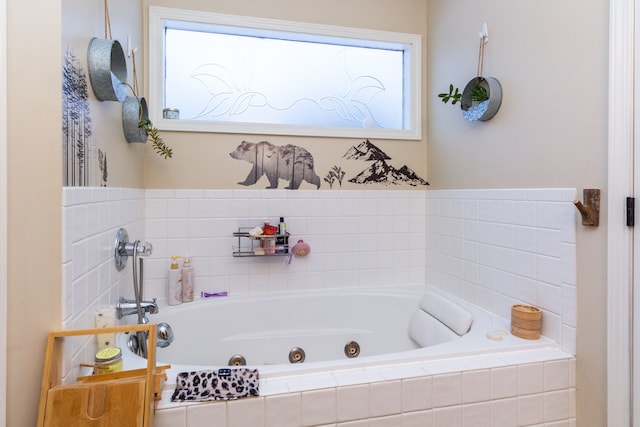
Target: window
(248,75)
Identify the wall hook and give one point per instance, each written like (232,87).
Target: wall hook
(590,210)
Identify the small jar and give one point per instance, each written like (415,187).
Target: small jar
(171,113)
(108,360)
(269,246)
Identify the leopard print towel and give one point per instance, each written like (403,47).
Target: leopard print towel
(218,384)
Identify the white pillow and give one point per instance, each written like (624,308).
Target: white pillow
(448,312)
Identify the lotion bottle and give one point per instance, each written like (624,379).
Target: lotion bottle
(174,288)
(187,281)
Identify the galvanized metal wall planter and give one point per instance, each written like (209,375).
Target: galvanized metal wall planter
(107,69)
(481,110)
(134,111)
(481,98)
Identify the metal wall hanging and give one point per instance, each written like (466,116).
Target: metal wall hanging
(488,90)
(107,69)
(134,111)
(107,64)
(108,76)
(481,98)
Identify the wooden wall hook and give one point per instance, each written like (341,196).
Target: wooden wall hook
(590,210)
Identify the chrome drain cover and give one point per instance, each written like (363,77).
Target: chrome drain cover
(352,349)
(237,360)
(296,355)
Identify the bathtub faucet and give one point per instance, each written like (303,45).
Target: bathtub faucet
(126,307)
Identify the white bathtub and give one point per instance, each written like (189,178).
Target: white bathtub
(265,328)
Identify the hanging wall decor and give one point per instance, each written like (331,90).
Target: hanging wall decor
(107,65)
(481,98)
(107,69)
(136,124)
(108,76)
(134,111)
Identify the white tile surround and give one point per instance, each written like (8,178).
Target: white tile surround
(491,247)
(90,281)
(535,388)
(357,238)
(496,248)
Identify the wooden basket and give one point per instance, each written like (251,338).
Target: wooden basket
(526,321)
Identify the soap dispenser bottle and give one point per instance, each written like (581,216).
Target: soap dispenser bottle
(187,281)
(174,288)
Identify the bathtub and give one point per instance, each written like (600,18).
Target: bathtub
(263,329)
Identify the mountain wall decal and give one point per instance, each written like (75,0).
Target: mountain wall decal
(365,151)
(380,172)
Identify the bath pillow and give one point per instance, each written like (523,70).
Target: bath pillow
(218,384)
(448,312)
(426,330)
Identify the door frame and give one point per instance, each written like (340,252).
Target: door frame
(3,211)
(622,44)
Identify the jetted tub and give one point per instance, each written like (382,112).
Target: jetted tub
(265,328)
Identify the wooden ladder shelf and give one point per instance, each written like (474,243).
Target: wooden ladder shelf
(124,398)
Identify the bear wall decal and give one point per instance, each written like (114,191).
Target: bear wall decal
(288,162)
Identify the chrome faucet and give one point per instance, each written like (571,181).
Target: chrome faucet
(138,306)
(126,307)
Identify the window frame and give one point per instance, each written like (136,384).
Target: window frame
(412,43)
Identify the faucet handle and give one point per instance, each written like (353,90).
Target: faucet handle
(144,248)
(153,309)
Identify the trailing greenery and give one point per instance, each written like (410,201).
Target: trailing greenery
(478,94)
(452,96)
(159,146)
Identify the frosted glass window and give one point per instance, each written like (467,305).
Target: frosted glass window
(253,77)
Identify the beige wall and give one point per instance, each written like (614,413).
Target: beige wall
(202,160)
(34,215)
(551,131)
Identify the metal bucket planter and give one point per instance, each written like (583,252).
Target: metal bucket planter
(107,69)
(134,110)
(485,110)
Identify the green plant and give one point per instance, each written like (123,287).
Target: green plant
(453,96)
(159,146)
(478,94)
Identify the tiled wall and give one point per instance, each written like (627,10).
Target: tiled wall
(357,238)
(491,247)
(91,217)
(496,248)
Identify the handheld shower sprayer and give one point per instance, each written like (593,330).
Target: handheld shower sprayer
(138,250)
